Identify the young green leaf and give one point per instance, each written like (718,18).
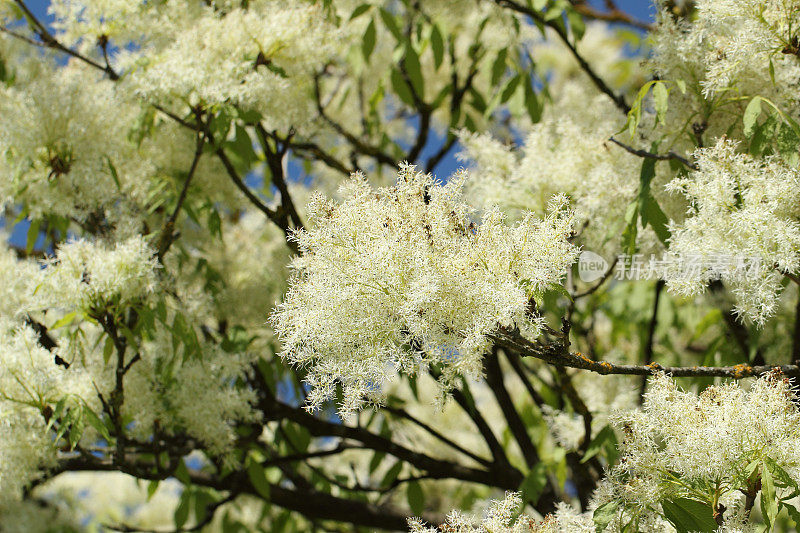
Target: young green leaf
(689,515)
(368,41)
(751,114)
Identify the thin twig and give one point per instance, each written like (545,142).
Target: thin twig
(651,155)
(651,333)
(167,237)
(618,99)
(614,14)
(48,41)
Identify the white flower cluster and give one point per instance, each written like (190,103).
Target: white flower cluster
(731,43)
(739,206)
(29,375)
(88,275)
(503,516)
(255,55)
(24,449)
(567,152)
(63,144)
(399,276)
(191,395)
(703,446)
(729,52)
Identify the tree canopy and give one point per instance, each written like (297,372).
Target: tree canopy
(442,266)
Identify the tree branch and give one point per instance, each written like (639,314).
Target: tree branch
(494,378)
(651,332)
(614,14)
(167,236)
(48,41)
(651,155)
(618,99)
(559,357)
(403,414)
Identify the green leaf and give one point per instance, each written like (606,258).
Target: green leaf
(532,103)
(414,70)
(437,45)
(631,228)
(771,71)
(604,514)
(769,500)
(182,510)
(114,174)
(391,24)
(214,223)
(376,460)
(635,114)
(576,24)
(392,473)
(416,498)
(655,217)
(241,148)
(605,435)
(360,10)
(108,349)
(499,66)
(152,487)
(794,514)
(368,42)
(787,143)
(65,320)
(76,427)
(401,88)
(689,515)
(258,478)
(509,88)
(751,114)
(33,235)
(534,483)
(649,209)
(661,97)
(182,473)
(97,423)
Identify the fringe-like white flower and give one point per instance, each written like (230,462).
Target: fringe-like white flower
(399,276)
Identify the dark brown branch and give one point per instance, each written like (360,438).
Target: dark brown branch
(650,155)
(48,41)
(647,352)
(403,414)
(310,503)
(737,329)
(176,118)
(464,399)
(599,283)
(275,162)
(618,99)
(358,145)
(614,14)
(315,150)
(516,364)
(494,378)
(507,478)
(455,105)
(167,236)
(237,180)
(558,357)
